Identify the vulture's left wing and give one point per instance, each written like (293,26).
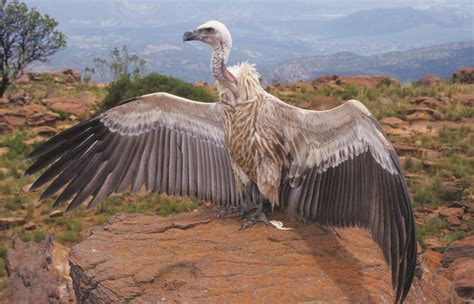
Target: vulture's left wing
(344,172)
(164,142)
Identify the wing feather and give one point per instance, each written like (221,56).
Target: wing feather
(352,177)
(167,143)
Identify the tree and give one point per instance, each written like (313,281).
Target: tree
(25,36)
(122,63)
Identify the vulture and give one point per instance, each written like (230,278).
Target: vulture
(335,168)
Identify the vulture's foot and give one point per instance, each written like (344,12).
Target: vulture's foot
(252,219)
(239,210)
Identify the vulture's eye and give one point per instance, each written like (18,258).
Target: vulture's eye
(209,30)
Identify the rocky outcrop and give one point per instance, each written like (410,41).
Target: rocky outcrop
(465,75)
(66,76)
(38,273)
(71,105)
(194,257)
(459,259)
(358,80)
(429,81)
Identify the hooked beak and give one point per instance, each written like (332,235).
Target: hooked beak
(190,35)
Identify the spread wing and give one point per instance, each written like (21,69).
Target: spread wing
(163,142)
(344,172)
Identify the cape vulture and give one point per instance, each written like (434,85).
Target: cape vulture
(334,168)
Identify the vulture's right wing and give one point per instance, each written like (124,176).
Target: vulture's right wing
(344,172)
(167,143)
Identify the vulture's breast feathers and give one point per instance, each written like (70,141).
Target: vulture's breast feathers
(248,83)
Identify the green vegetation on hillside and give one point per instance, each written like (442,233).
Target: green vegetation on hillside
(126,88)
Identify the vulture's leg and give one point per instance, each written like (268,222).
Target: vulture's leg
(258,216)
(268,177)
(247,205)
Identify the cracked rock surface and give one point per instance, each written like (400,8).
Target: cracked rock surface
(195,257)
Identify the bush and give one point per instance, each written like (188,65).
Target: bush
(126,88)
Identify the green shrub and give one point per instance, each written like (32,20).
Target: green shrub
(126,88)
(38,236)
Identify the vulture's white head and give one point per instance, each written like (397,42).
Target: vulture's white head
(213,33)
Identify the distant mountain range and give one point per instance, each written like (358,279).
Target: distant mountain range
(275,35)
(441,60)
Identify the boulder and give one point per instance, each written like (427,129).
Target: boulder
(427,101)
(429,81)
(38,273)
(465,75)
(8,222)
(320,103)
(12,119)
(459,259)
(465,99)
(458,250)
(19,98)
(70,105)
(43,130)
(195,257)
(44,118)
(394,122)
(451,211)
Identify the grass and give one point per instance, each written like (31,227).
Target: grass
(150,204)
(431,228)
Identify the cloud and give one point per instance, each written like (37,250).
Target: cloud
(157,48)
(134,7)
(86,42)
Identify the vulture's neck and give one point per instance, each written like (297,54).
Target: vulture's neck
(220,55)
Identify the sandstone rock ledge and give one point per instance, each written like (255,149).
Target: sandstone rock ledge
(195,257)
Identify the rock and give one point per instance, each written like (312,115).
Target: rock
(372,80)
(12,118)
(34,141)
(4,150)
(397,131)
(24,79)
(423,113)
(320,103)
(194,257)
(430,80)
(427,101)
(433,242)
(393,122)
(19,98)
(29,226)
(43,130)
(56,213)
(459,250)
(404,150)
(71,76)
(463,278)
(454,220)
(3,101)
(465,75)
(71,105)
(9,222)
(447,212)
(46,118)
(465,99)
(459,259)
(38,273)
(26,188)
(433,283)
(386,101)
